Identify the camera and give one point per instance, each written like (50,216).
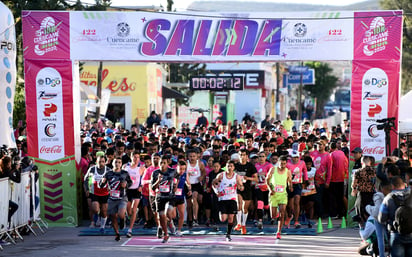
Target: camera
(387,123)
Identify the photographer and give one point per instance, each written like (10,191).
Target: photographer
(8,171)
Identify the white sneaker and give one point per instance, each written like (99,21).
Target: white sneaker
(92,225)
(178,233)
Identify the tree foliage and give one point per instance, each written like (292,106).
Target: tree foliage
(406,6)
(17,6)
(325,83)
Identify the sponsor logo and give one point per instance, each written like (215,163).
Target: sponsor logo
(376,82)
(88,35)
(335,32)
(46,96)
(376,38)
(49,130)
(374,109)
(123,29)
(52,82)
(334,35)
(373,150)
(47,37)
(373,131)
(49,109)
(300,37)
(51,149)
(300,30)
(7,45)
(123,38)
(372,96)
(89,32)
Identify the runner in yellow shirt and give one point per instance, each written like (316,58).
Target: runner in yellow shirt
(278,178)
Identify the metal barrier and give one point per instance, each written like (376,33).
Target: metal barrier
(26,195)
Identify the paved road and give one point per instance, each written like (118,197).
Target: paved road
(66,242)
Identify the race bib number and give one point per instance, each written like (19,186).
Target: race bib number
(279,189)
(311,186)
(164,188)
(115,193)
(194,173)
(178,191)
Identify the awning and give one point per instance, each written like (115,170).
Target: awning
(171,93)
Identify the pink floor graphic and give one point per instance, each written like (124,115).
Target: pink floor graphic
(150,241)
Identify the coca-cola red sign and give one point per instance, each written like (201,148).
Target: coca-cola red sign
(51,149)
(373,150)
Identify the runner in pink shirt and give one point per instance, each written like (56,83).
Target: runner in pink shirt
(299,175)
(262,192)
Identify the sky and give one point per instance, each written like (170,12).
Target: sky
(181,5)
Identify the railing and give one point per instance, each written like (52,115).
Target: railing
(26,195)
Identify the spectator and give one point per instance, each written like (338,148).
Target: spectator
(153,119)
(202,120)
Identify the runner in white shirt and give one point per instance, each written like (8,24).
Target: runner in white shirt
(134,192)
(196,173)
(225,186)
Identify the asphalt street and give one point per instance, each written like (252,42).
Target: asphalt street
(67,242)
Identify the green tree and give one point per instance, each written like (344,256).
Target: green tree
(406,6)
(17,6)
(181,72)
(325,82)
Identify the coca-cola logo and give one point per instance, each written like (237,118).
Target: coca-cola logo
(373,150)
(51,149)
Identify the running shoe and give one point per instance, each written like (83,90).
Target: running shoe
(297,225)
(165,239)
(215,228)
(92,225)
(172,227)
(228,238)
(207,223)
(195,223)
(278,235)
(178,233)
(129,234)
(287,221)
(238,227)
(117,238)
(244,230)
(260,225)
(159,232)
(3,242)
(272,222)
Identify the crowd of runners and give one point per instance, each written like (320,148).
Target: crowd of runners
(241,173)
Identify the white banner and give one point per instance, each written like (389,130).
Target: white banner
(4,203)
(221,37)
(50,123)
(7,75)
(20,194)
(374,107)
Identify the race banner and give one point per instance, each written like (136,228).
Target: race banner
(50,133)
(7,75)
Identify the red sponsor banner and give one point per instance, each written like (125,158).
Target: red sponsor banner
(375,96)
(46,35)
(49,109)
(377,35)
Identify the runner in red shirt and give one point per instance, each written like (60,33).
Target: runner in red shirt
(262,192)
(323,164)
(339,174)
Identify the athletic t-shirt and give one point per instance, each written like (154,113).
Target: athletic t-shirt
(227,188)
(248,170)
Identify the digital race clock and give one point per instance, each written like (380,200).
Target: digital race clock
(216,83)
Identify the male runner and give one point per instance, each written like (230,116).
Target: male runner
(118,180)
(262,193)
(196,172)
(98,195)
(163,182)
(277,180)
(249,174)
(225,186)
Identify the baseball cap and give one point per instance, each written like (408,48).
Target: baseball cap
(357,150)
(234,156)
(294,154)
(253,155)
(206,153)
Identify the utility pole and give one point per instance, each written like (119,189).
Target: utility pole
(277,104)
(99,89)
